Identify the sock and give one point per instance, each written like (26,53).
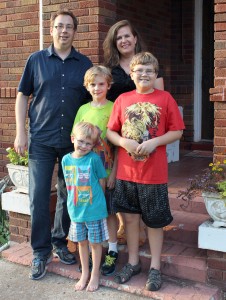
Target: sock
(112,247)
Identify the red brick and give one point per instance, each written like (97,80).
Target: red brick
(18,222)
(13,229)
(18,238)
(2,92)
(220,8)
(215,274)
(216,263)
(24,231)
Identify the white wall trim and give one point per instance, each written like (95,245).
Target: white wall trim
(40,26)
(198,71)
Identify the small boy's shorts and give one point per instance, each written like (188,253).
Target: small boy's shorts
(149,200)
(93,231)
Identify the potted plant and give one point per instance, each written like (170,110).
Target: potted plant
(211,182)
(18,169)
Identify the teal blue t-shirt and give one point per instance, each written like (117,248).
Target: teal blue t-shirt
(85,201)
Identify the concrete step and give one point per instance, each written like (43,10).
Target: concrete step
(171,289)
(184,227)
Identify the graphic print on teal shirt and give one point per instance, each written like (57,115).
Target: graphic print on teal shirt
(82,191)
(85,198)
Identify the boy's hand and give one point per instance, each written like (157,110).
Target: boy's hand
(146,147)
(111,181)
(130,145)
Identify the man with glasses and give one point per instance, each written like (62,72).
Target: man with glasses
(54,78)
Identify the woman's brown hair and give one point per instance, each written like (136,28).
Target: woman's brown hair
(111,53)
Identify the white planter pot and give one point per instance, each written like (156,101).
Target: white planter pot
(216,208)
(19,176)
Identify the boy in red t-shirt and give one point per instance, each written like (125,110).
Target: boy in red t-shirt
(142,123)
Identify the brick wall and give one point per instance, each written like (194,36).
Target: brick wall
(167,28)
(218,93)
(216,263)
(19,227)
(7,121)
(19,37)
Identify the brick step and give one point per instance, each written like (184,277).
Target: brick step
(178,260)
(171,289)
(184,227)
(197,204)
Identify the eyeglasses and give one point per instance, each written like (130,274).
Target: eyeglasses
(83,143)
(141,71)
(60,27)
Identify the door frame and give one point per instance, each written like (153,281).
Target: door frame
(198,71)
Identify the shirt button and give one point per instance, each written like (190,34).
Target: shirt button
(62,115)
(62,127)
(62,100)
(62,74)
(62,87)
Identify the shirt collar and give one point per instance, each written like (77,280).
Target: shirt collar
(74,54)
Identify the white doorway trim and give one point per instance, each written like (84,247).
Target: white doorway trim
(198,71)
(40,25)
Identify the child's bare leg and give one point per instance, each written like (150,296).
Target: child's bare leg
(95,274)
(121,233)
(112,228)
(155,236)
(132,234)
(84,258)
(121,223)
(143,235)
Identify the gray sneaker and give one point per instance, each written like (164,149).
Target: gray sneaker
(38,266)
(65,256)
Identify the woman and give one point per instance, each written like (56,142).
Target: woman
(120,45)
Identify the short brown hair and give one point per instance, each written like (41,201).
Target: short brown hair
(87,130)
(64,12)
(97,70)
(144,58)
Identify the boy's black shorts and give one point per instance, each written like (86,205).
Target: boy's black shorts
(149,200)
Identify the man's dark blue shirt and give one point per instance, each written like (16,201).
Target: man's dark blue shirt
(57,91)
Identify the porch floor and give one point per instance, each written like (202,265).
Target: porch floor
(190,164)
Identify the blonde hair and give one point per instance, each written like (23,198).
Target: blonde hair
(97,70)
(144,58)
(111,53)
(86,130)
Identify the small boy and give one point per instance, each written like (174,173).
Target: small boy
(85,175)
(98,81)
(142,122)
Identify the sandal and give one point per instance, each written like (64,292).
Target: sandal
(154,281)
(127,272)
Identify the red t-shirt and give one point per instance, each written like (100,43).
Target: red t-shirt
(142,117)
